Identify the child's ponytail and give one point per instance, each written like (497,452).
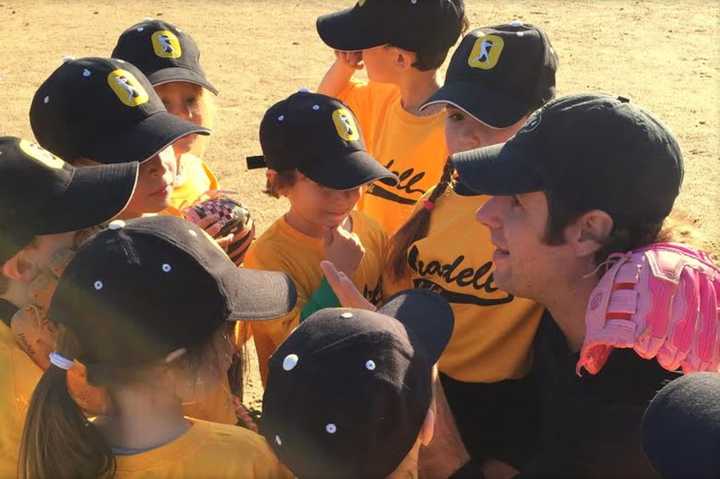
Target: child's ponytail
(416,227)
(58,440)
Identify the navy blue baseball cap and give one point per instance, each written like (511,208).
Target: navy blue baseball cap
(591,151)
(348,391)
(319,136)
(499,74)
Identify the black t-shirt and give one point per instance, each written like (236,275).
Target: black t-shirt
(590,424)
(7,311)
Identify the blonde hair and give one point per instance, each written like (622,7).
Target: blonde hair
(208,110)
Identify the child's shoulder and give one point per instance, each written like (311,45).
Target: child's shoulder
(360,93)
(366,227)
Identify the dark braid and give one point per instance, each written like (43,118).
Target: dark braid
(416,227)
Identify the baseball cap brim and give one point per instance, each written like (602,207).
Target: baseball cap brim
(427,316)
(145,140)
(95,195)
(257,295)
(354,169)
(504,169)
(482,103)
(173,74)
(349,30)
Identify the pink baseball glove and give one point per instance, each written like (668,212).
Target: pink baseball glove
(662,301)
(226,220)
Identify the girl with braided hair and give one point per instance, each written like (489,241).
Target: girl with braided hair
(485,368)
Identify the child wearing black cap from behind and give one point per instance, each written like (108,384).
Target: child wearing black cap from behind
(147,306)
(496,78)
(170,59)
(316,158)
(47,207)
(402,44)
(100,110)
(350,392)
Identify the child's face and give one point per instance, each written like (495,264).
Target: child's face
(321,208)
(38,254)
(183,99)
(463,132)
(155,185)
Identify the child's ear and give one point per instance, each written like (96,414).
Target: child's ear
(403,59)
(17,269)
(589,232)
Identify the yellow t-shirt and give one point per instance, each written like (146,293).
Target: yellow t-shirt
(494,330)
(205,450)
(411,146)
(18,377)
(283,248)
(193,180)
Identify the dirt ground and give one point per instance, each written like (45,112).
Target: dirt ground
(664,55)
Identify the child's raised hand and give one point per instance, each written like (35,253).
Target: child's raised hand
(343,287)
(352,60)
(343,249)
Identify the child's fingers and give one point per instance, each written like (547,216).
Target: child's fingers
(344,289)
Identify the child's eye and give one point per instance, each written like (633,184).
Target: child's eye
(456,116)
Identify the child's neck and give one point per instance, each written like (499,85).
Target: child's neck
(143,418)
(299,223)
(415,88)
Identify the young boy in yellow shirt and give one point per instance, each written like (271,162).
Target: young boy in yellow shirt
(46,205)
(402,43)
(315,157)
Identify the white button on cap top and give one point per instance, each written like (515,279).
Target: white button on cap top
(116,225)
(516,23)
(46,100)
(331,428)
(346,315)
(98,285)
(281,117)
(86,73)
(370,365)
(290,362)
(316,107)
(166,268)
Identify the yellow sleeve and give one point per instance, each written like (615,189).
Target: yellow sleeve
(268,335)
(18,377)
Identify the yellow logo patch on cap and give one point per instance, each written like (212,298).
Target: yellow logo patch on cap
(345,125)
(127,88)
(486,52)
(40,154)
(166,44)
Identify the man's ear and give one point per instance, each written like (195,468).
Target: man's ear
(17,269)
(428,428)
(589,232)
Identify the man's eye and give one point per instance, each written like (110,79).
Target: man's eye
(456,117)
